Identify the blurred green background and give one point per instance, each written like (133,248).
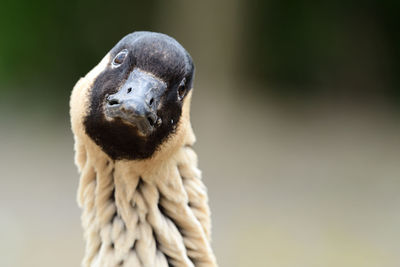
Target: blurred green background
(296,110)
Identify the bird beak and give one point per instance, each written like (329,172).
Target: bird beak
(136,102)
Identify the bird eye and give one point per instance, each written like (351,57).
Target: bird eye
(119,58)
(182,89)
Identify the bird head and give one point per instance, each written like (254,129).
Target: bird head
(134,100)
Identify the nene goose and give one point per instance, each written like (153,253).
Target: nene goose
(140,190)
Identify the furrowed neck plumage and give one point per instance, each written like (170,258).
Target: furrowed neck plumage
(150,212)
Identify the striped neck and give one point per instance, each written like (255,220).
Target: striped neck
(138,213)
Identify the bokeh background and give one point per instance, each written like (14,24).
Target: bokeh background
(296,110)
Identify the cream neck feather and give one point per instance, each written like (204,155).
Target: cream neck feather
(150,212)
(131,217)
(144,213)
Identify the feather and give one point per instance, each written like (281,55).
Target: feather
(151,211)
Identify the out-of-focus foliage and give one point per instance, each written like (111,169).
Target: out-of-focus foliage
(294,47)
(47,45)
(326,45)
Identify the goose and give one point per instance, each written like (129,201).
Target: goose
(142,197)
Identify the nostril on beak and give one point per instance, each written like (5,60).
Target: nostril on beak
(112,101)
(129,90)
(151,120)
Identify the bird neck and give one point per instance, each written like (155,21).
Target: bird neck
(144,213)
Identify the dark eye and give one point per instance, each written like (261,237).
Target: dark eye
(182,89)
(119,58)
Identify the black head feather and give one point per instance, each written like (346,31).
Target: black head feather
(159,55)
